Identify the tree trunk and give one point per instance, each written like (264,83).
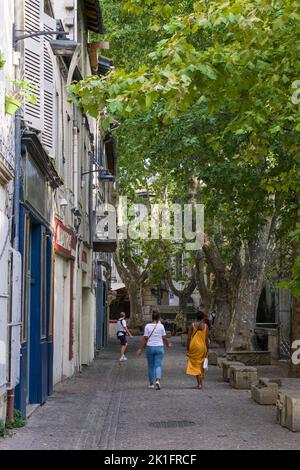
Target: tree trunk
(136,305)
(240,335)
(202,285)
(223,316)
(295,368)
(183,296)
(181,319)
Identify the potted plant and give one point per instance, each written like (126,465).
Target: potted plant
(22,90)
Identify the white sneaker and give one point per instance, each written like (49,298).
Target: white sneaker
(151,386)
(157,385)
(123,358)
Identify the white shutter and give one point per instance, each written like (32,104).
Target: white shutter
(15,325)
(4,246)
(49,137)
(33,57)
(39,71)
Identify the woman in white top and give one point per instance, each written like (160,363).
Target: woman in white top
(155,338)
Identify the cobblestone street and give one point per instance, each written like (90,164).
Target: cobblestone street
(108,406)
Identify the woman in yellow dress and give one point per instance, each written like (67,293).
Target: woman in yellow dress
(197,349)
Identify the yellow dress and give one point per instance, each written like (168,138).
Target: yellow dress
(197,352)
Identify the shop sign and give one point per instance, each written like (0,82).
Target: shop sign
(65,240)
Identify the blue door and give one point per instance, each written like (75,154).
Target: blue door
(37,351)
(101,319)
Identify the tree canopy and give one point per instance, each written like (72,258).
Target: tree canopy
(205,89)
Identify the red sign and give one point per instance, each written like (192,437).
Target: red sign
(65,240)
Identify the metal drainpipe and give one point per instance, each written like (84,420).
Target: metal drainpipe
(75,300)
(18,11)
(18,119)
(90,209)
(17,187)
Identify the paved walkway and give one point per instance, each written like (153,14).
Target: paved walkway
(108,406)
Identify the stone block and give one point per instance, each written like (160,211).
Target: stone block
(225,365)
(280,408)
(265,392)
(292,413)
(250,358)
(242,377)
(220,361)
(184,338)
(212,358)
(3,407)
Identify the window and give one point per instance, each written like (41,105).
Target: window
(35,187)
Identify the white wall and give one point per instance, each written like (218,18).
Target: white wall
(7,161)
(62,366)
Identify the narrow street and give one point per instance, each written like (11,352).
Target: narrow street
(108,406)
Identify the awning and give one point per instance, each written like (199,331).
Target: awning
(117,286)
(41,158)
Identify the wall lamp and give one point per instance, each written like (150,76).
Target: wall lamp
(104,175)
(20,37)
(63,47)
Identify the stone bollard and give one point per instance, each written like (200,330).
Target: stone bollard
(225,365)
(242,377)
(265,391)
(288,410)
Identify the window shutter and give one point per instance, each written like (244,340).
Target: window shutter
(39,71)
(4,245)
(33,59)
(49,137)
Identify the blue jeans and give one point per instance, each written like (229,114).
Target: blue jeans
(155,356)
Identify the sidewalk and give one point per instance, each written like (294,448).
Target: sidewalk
(108,406)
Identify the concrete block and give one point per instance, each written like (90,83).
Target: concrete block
(281,408)
(220,361)
(242,377)
(212,358)
(3,407)
(184,338)
(225,366)
(265,392)
(250,358)
(292,413)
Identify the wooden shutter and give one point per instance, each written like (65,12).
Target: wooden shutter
(33,58)
(49,108)
(4,246)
